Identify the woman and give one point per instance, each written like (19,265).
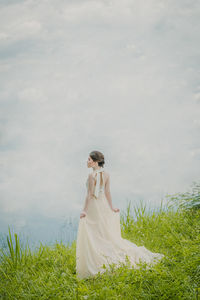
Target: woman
(99,240)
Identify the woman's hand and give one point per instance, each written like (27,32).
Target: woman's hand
(83,214)
(115,209)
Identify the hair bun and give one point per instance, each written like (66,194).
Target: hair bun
(98,156)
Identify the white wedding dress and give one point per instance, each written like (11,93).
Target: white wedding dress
(99,240)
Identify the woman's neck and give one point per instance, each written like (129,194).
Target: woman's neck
(96,168)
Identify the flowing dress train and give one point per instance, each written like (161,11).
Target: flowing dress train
(99,240)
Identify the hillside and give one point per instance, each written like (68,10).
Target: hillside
(49,272)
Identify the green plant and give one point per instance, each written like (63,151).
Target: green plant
(15,255)
(188,200)
(50,272)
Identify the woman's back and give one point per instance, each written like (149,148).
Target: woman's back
(101,181)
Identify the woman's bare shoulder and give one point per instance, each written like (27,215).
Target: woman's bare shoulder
(106,174)
(90,176)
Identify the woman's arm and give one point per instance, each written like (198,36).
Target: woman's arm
(89,193)
(107,192)
(108,195)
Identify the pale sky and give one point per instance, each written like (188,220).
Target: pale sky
(121,77)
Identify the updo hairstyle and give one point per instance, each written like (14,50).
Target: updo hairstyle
(98,156)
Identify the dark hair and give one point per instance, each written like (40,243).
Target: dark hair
(98,156)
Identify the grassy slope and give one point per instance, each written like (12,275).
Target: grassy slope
(49,272)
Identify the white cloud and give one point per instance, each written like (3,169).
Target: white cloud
(118,76)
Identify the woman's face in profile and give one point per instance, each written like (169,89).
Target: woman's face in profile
(90,162)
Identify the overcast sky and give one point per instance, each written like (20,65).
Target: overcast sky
(121,77)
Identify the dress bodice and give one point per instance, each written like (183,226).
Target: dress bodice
(99,181)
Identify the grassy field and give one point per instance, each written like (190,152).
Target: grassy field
(50,272)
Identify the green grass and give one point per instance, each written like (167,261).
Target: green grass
(50,272)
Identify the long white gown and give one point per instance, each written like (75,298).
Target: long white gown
(99,240)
